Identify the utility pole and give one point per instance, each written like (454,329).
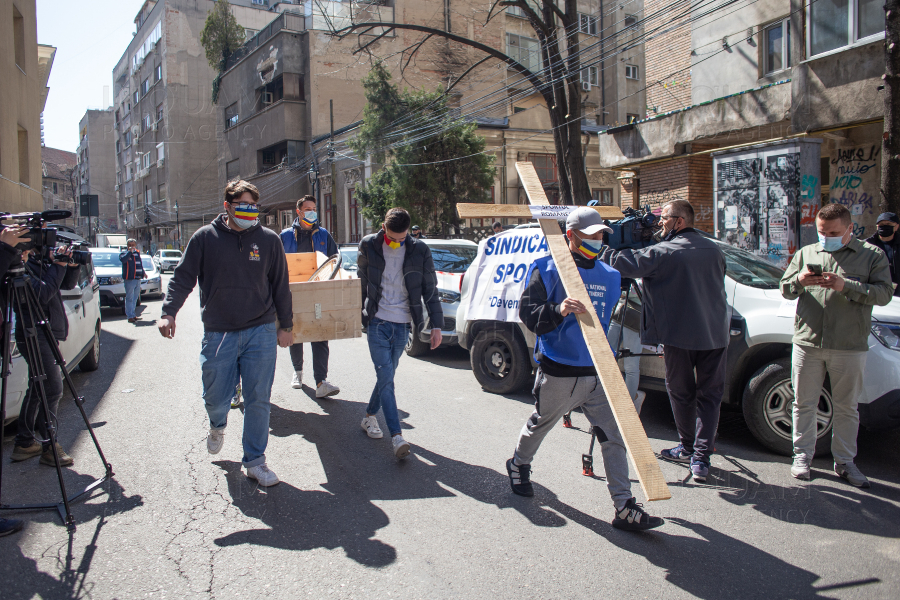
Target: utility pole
(890,147)
(177,226)
(333,166)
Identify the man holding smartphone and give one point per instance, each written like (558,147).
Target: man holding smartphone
(836,281)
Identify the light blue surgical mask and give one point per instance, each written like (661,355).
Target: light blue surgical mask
(831,244)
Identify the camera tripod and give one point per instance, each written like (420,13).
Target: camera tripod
(18,293)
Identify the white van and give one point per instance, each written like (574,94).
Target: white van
(759,372)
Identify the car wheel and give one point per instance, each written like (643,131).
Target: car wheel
(500,361)
(768,403)
(91,360)
(415,346)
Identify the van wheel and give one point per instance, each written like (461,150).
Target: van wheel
(91,360)
(415,346)
(500,361)
(768,403)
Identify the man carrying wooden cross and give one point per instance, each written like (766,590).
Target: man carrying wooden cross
(567,377)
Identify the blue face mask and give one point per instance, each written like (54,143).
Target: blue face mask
(831,244)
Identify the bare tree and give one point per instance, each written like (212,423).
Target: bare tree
(558,81)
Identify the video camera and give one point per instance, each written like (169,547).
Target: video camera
(636,230)
(45,240)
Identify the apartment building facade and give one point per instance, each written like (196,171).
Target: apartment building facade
(22,97)
(164,121)
(277,93)
(59,186)
(785,114)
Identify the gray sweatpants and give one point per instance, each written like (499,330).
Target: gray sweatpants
(554,397)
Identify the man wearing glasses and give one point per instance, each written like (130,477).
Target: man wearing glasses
(245,306)
(684,308)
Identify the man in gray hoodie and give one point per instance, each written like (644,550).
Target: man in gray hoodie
(246,311)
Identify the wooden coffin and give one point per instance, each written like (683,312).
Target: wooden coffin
(323,310)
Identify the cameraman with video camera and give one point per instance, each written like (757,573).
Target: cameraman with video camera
(47,276)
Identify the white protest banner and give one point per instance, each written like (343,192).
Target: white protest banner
(500,269)
(554,211)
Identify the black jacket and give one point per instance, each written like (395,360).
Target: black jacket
(132,267)
(683,278)
(894,258)
(418,274)
(46,281)
(8,255)
(243,278)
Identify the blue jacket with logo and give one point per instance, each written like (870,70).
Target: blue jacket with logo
(321,239)
(132,267)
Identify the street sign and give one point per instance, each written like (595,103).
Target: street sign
(89,205)
(649,474)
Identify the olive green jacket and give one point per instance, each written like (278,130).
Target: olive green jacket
(838,320)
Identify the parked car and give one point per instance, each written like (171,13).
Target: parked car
(167,260)
(80,349)
(759,356)
(108,268)
(152,286)
(348,258)
(451,259)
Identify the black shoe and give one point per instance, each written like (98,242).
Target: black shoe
(520,478)
(634,518)
(8,526)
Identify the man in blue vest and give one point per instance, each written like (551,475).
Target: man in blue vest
(132,273)
(305,235)
(566,376)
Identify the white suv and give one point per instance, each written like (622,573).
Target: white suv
(759,355)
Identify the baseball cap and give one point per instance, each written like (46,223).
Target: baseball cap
(587,220)
(888,216)
(415,228)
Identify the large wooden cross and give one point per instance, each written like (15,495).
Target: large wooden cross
(645,462)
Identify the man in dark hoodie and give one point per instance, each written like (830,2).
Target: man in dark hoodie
(246,311)
(306,235)
(888,241)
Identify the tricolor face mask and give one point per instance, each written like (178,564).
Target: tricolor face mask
(309,218)
(391,243)
(246,215)
(590,248)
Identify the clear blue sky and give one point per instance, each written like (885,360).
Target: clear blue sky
(90,36)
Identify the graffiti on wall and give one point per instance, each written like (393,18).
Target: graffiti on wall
(855,181)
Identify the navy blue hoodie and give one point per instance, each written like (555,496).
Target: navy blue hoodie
(243,278)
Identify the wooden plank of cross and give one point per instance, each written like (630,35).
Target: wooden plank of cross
(649,474)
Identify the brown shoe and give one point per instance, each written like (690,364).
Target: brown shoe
(64,459)
(26,452)
(132,320)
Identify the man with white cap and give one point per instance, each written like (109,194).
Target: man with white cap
(566,376)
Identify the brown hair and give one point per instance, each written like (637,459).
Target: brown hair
(830,212)
(236,189)
(397,220)
(683,209)
(307,198)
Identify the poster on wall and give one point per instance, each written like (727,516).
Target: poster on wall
(855,174)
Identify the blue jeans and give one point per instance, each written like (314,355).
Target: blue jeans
(247,356)
(386,343)
(132,293)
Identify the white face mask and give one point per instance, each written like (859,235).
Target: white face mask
(832,244)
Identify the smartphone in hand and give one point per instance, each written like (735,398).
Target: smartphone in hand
(814,269)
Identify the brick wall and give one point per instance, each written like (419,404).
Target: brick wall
(664,55)
(689,178)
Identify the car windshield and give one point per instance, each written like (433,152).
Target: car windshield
(453,259)
(148,263)
(170,253)
(348,256)
(749,269)
(105,259)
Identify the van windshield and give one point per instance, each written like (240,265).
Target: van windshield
(749,269)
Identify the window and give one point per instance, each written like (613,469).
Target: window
(129,203)
(148,122)
(269,158)
(148,196)
(604,197)
(137,98)
(631,118)
(515,11)
(19,37)
(232,169)
(249,33)
(525,50)
(545,166)
(160,151)
(128,139)
(161,193)
(158,73)
(118,177)
(23,157)
(328,213)
(589,75)
(145,160)
(631,72)
(353,211)
(518,109)
(272,92)
(55,188)
(145,86)
(837,23)
(630,20)
(587,24)
(118,146)
(127,171)
(231,116)
(777,49)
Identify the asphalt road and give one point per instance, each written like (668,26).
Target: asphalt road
(350,521)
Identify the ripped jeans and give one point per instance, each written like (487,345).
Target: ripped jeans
(247,356)
(386,343)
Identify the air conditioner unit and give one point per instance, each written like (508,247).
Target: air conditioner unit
(154,125)
(160,162)
(267,97)
(585,86)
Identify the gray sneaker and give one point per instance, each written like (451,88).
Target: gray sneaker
(852,474)
(800,468)
(215,440)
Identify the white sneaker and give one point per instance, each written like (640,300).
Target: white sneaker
(639,400)
(370,424)
(800,467)
(215,440)
(401,447)
(297,380)
(326,388)
(263,475)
